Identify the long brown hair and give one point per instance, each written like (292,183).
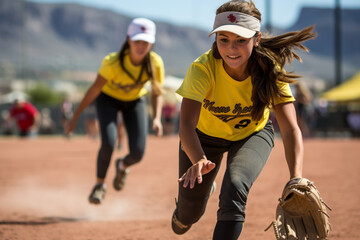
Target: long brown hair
(266,63)
(146,65)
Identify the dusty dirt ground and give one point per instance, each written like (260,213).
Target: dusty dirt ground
(45,182)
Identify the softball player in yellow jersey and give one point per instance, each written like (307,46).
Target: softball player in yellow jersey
(227,96)
(120,86)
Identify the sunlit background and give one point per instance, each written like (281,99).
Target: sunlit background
(51,50)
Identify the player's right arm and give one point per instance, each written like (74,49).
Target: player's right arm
(88,98)
(189,117)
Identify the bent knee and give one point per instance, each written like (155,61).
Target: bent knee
(191,215)
(134,157)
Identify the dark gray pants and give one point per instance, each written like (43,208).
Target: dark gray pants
(245,160)
(136,123)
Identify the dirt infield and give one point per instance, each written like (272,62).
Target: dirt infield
(45,182)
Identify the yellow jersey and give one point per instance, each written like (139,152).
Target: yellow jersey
(120,85)
(226,103)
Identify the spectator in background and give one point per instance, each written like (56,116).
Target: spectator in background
(7,127)
(170,112)
(303,98)
(47,124)
(91,121)
(27,117)
(66,111)
(321,114)
(353,120)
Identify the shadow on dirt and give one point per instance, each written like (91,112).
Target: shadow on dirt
(42,221)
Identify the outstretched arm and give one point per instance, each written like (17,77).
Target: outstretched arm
(157,103)
(89,97)
(189,116)
(292,137)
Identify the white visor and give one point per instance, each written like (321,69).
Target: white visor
(241,24)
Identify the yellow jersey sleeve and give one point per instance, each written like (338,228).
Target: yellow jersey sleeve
(109,64)
(197,81)
(158,68)
(286,90)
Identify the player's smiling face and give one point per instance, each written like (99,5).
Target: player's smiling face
(138,50)
(234,50)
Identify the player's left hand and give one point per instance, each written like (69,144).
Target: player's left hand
(157,127)
(195,172)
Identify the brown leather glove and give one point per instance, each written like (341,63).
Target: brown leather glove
(301,213)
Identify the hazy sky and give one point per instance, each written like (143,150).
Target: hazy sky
(200,13)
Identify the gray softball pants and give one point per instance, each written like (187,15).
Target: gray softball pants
(245,160)
(136,123)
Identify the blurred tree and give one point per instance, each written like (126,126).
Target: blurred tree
(43,94)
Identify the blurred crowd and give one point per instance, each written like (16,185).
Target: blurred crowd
(316,118)
(22,118)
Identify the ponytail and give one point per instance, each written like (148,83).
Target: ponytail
(266,66)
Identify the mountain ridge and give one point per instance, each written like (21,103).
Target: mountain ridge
(73,37)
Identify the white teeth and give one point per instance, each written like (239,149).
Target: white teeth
(233,57)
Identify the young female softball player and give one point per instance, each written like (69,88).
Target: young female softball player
(227,96)
(119,86)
